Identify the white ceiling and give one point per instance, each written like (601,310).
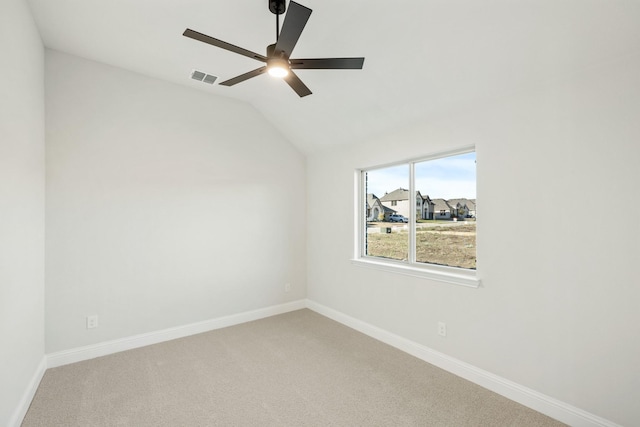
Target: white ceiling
(423,57)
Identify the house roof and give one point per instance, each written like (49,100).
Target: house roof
(402,194)
(398,194)
(469,203)
(441,205)
(372,199)
(387,209)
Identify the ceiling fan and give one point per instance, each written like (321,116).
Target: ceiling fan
(278,58)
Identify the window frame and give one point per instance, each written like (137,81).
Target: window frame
(447,274)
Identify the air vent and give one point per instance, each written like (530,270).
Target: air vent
(209,79)
(203,77)
(197,75)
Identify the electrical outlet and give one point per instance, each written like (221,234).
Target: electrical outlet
(287,287)
(442,329)
(92,321)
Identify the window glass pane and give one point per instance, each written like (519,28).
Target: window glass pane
(387,210)
(446,223)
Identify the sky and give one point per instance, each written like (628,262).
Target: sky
(447,178)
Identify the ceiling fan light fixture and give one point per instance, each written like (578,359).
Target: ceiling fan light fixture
(278,67)
(278,58)
(278,72)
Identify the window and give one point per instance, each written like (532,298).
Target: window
(392,245)
(417,240)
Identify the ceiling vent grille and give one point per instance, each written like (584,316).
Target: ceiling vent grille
(209,79)
(203,77)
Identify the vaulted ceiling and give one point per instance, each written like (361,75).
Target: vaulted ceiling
(423,57)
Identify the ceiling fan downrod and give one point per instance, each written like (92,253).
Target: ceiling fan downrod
(277,7)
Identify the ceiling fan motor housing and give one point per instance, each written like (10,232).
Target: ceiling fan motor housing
(277,6)
(271,52)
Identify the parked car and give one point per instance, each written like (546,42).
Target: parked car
(398,218)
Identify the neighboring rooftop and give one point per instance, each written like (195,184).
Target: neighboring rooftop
(399,194)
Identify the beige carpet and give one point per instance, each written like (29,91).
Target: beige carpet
(296,369)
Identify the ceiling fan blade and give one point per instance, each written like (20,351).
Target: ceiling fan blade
(223,45)
(243,77)
(328,63)
(294,22)
(296,84)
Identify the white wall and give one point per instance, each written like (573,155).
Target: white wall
(558,311)
(21,205)
(165,205)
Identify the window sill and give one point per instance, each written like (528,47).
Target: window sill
(452,275)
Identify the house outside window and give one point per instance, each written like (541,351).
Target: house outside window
(428,245)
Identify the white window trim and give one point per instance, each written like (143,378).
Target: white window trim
(452,275)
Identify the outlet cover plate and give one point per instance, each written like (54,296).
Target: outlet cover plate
(92,321)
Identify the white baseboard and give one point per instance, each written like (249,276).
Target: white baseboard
(542,403)
(27,397)
(109,347)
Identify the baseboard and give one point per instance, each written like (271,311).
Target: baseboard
(27,397)
(542,403)
(109,347)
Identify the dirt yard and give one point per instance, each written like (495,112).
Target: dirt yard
(453,245)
